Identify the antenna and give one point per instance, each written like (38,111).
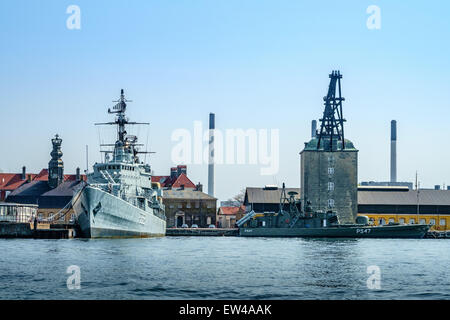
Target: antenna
(87,159)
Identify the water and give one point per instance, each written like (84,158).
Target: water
(225,268)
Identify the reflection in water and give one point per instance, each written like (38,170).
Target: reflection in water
(225,268)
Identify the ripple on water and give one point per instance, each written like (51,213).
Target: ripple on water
(225,268)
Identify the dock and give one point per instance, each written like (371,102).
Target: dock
(11,230)
(210,232)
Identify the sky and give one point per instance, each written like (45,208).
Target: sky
(257,64)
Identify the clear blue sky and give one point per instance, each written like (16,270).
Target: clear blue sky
(256,64)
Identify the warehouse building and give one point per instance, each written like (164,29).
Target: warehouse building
(385,205)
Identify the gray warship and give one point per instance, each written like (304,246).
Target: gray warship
(292,221)
(119,199)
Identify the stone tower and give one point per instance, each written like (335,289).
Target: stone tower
(329,162)
(56,165)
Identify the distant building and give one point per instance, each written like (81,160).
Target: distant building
(329,162)
(387,184)
(11,181)
(382,204)
(189,206)
(265,199)
(402,205)
(177,179)
(51,190)
(228,215)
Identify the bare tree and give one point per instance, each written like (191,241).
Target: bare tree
(239,197)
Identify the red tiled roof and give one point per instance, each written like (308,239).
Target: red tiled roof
(43,176)
(183,180)
(10,181)
(168,181)
(231,210)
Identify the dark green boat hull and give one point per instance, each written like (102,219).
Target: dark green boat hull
(397,231)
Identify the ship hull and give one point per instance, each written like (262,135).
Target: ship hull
(407,231)
(102,215)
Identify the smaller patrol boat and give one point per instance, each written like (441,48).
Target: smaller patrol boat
(292,221)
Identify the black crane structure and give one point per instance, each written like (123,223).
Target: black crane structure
(332,122)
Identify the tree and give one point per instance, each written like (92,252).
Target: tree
(239,197)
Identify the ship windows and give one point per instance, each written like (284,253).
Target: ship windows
(381,221)
(442,222)
(391,220)
(422,221)
(433,222)
(412,221)
(401,220)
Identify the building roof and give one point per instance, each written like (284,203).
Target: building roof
(426,197)
(43,176)
(266,195)
(11,181)
(39,192)
(231,210)
(325,144)
(174,182)
(186,194)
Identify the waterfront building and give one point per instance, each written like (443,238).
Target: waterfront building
(402,205)
(265,199)
(189,206)
(11,181)
(17,213)
(228,215)
(329,162)
(176,179)
(382,204)
(51,190)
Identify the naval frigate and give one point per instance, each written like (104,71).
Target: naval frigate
(119,199)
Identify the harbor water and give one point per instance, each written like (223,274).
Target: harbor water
(225,268)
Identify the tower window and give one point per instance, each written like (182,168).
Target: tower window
(330,203)
(330,186)
(330,171)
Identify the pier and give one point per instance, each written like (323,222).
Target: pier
(10,230)
(210,232)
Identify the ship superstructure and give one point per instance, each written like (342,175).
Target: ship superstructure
(120,199)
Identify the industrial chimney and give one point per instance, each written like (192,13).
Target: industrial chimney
(393,151)
(212,126)
(313,129)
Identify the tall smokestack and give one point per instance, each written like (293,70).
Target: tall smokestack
(313,128)
(393,151)
(212,126)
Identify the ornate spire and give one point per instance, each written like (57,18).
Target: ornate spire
(56,165)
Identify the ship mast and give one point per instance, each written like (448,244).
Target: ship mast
(123,140)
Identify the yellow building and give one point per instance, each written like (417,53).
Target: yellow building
(385,205)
